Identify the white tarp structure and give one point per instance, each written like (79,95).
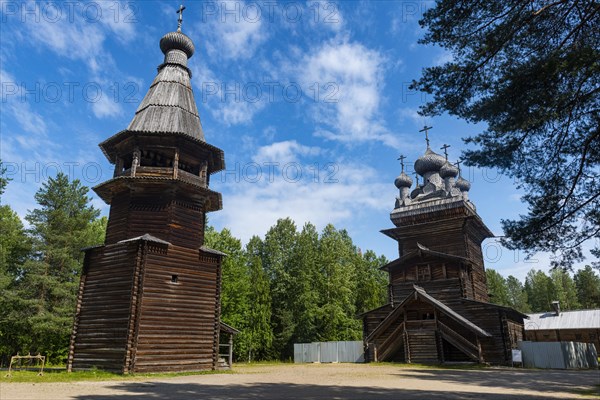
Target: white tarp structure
(559,355)
(329,352)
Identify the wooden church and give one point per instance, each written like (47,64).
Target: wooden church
(439,309)
(149,297)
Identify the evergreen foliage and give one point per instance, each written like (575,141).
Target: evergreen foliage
(497,288)
(39,301)
(517,296)
(587,283)
(529,71)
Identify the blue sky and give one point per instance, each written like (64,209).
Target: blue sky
(309,101)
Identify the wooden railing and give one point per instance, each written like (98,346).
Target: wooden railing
(406,346)
(472,350)
(165,172)
(228,355)
(391,342)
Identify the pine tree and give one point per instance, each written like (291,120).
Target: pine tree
(517,296)
(337,312)
(278,248)
(304,275)
(587,283)
(15,248)
(258,328)
(44,296)
(540,290)
(565,291)
(235,286)
(497,287)
(372,282)
(529,71)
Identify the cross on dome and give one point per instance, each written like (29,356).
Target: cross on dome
(401,158)
(445,148)
(426,130)
(180,19)
(458,162)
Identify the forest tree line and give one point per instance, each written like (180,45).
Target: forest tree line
(577,292)
(295,285)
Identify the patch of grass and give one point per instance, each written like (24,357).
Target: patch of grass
(61,375)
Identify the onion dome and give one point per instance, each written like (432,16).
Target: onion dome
(403,180)
(448,171)
(429,162)
(177,41)
(462,184)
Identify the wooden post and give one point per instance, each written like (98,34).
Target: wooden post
(176,164)
(230,350)
(204,172)
(136,161)
(118,167)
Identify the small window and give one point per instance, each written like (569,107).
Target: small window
(423,273)
(174,278)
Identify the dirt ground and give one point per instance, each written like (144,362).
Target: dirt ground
(327,381)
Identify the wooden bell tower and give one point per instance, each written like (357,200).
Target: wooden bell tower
(149,297)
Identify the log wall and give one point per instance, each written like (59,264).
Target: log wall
(180,222)
(178,323)
(101,324)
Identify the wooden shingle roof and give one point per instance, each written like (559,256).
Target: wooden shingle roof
(169,105)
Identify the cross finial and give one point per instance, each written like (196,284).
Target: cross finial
(426,130)
(458,162)
(445,148)
(180,19)
(417,179)
(401,158)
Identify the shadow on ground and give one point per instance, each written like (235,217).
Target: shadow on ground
(541,381)
(545,381)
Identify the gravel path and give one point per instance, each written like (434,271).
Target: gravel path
(326,381)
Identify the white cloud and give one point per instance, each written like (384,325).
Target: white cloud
(231,103)
(15,102)
(411,114)
(78,32)
(335,192)
(234,32)
(284,152)
(324,14)
(106,107)
(352,76)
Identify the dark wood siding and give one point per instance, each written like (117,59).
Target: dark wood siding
(101,323)
(177,329)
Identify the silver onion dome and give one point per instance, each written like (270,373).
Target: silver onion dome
(429,162)
(448,171)
(462,184)
(177,41)
(403,180)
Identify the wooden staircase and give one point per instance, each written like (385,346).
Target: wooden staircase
(391,344)
(222,364)
(421,346)
(471,350)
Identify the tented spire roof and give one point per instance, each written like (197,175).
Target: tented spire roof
(169,105)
